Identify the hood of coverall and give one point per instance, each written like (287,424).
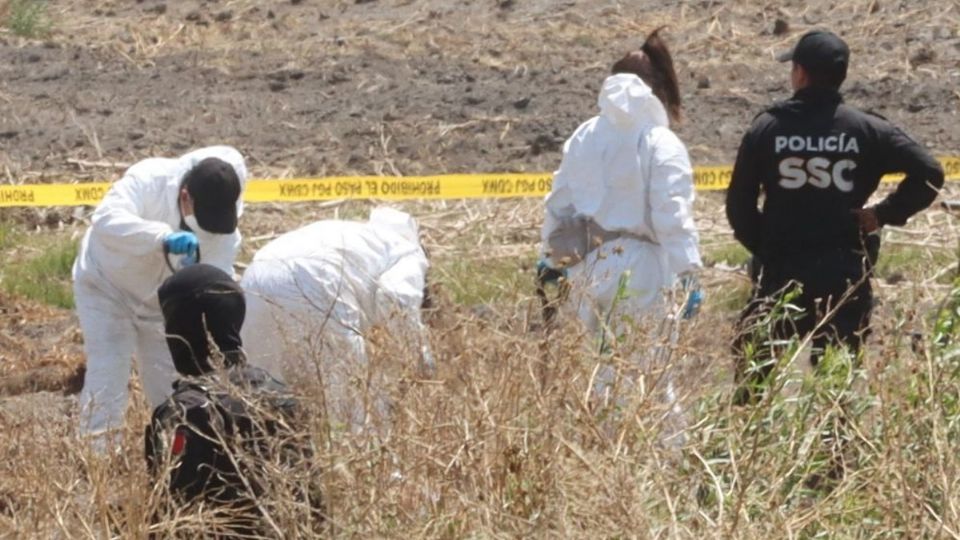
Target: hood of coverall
(201,302)
(399,222)
(628,102)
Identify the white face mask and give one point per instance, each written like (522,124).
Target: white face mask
(191,222)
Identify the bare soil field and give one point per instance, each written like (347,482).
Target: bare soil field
(405,87)
(409,87)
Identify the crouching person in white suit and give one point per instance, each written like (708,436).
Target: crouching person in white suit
(619,219)
(161,213)
(313,295)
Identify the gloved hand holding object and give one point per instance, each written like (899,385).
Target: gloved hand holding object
(695,296)
(547,274)
(181,243)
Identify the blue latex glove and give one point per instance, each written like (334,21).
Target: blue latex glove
(182,243)
(546,274)
(695,295)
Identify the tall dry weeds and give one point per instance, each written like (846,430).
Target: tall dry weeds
(507,440)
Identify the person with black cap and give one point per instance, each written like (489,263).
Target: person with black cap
(817,161)
(185,209)
(225,419)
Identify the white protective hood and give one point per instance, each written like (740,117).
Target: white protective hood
(628,103)
(398,222)
(629,172)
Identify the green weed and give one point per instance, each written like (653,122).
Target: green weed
(44,277)
(473,282)
(6,235)
(730,298)
(29,18)
(914,263)
(730,253)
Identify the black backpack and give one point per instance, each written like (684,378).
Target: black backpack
(214,437)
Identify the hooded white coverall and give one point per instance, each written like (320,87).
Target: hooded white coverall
(630,173)
(118,269)
(313,294)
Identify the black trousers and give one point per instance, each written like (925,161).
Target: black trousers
(834,303)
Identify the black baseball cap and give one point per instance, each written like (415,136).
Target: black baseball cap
(201,302)
(820,51)
(214,187)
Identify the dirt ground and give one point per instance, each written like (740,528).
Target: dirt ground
(321,87)
(402,87)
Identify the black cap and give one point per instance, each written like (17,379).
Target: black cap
(201,302)
(214,187)
(820,51)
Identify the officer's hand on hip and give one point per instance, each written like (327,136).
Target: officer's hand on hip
(181,243)
(867,218)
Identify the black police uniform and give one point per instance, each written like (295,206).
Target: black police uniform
(816,160)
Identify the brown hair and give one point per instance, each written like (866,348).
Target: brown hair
(654,65)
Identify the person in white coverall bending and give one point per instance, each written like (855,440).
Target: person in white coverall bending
(619,218)
(182,210)
(313,295)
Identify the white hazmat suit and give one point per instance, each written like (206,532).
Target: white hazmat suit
(117,272)
(630,173)
(314,293)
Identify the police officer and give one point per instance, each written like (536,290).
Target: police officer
(817,161)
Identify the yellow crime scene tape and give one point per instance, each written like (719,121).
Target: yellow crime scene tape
(448,186)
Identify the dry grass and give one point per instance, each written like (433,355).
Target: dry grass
(39,348)
(506,439)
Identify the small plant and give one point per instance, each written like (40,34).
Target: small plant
(28,18)
(479,282)
(44,277)
(732,254)
(913,263)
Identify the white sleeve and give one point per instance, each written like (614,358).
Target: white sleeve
(403,285)
(671,203)
(220,250)
(558,204)
(119,220)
